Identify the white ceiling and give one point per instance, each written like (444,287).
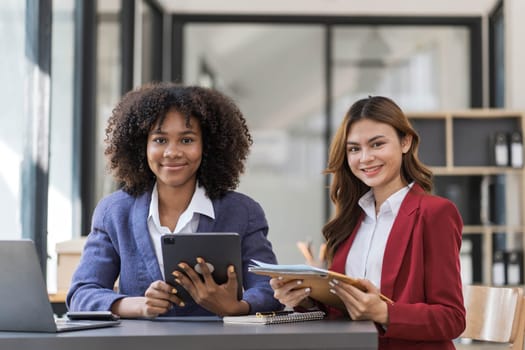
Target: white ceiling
(333,7)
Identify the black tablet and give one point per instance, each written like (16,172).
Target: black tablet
(218,249)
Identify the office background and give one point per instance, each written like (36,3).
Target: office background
(293,67)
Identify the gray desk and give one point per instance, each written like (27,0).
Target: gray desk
(149,335)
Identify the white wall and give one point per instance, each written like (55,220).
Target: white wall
(514,54)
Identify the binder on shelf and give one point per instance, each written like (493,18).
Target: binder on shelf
(500,149)
(516,149)
(515,267)
(476,240)
(497,200)
(499,269)
(465,256)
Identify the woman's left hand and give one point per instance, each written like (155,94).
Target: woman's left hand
(362,305)
(219,299)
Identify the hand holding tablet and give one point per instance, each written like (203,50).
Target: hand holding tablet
(218,250)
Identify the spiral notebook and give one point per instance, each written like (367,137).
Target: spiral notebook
(275,317)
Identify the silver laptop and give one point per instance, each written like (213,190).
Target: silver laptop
(24,302)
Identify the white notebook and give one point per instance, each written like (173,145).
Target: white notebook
(275,317)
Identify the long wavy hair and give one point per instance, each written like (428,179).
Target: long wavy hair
(225,135)
(346,188)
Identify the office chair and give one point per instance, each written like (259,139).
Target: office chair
(495,314)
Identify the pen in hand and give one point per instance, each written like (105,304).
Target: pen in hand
(306,250)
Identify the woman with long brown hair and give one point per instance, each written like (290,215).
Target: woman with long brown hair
(389,232)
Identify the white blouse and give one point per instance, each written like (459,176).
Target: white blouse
(188,222)
(365,259)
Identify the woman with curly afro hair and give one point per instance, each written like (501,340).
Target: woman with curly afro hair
(177,153)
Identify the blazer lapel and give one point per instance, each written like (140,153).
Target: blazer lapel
(398,240)
(205,224)
(139,214)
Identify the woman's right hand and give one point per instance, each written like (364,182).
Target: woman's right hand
(157,300)
(290,294)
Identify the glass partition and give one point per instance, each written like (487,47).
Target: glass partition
(423,68)
(275,74)
(13,72)
(109,79)
(60,196)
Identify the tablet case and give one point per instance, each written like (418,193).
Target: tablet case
(220,249)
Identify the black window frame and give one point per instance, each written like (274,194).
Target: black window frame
(472,23)
(85,89)
(35,165)
(496,57)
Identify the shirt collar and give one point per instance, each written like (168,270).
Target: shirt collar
(200,203)
(367,201)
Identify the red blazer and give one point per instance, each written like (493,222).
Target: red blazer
(421,274)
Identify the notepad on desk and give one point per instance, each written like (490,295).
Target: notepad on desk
(313,277)
(276,317)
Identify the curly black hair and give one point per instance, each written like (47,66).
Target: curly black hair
(226,138)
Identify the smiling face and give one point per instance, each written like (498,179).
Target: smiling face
(374,154)
(174,151)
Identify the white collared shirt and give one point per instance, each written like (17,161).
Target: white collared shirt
(188,222)
(365,259)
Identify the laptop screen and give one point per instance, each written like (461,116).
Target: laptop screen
(24,302)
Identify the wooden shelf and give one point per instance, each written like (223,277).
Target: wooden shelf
(474,170)
(58,297)
(457,145)
(473,229)
(474,113)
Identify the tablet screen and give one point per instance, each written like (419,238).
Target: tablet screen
(218,249)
